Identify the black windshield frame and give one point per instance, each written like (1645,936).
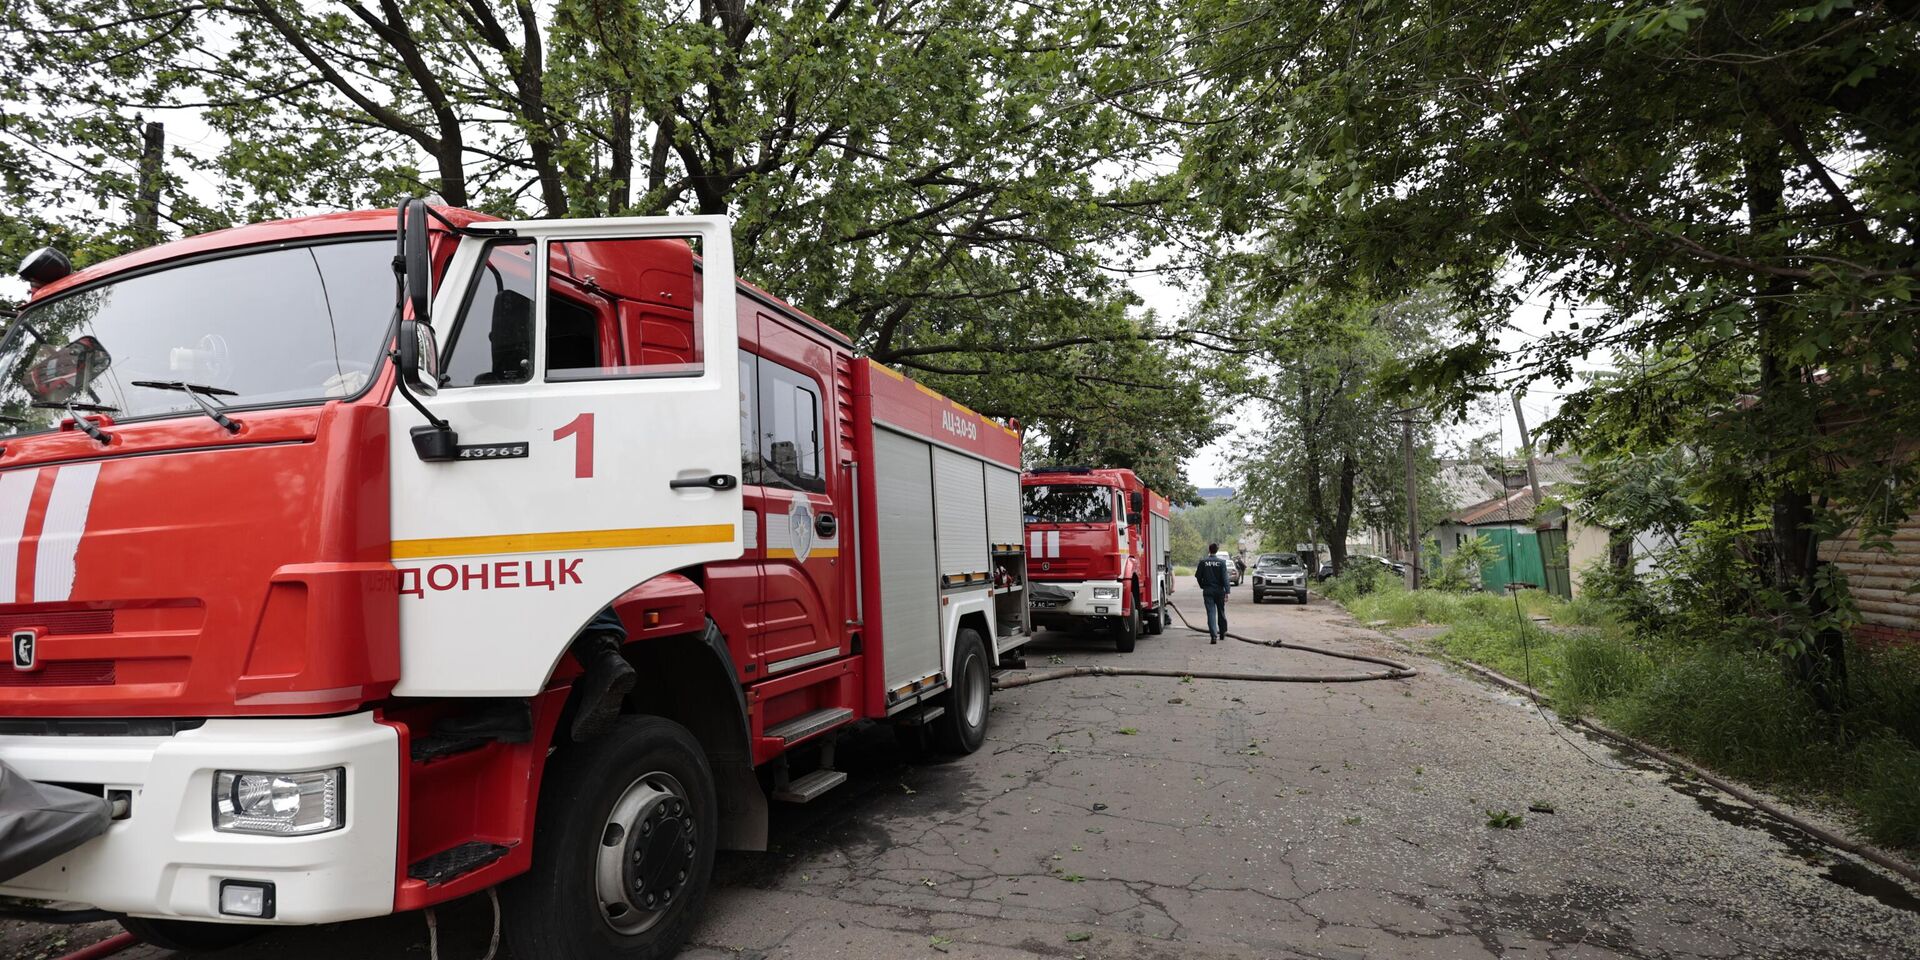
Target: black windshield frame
(1093,493)
(25,312)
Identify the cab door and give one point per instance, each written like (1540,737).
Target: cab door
(590,370)
(801,615)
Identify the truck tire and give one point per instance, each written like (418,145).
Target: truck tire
(963,727)
(1151,622)
(1128,633)
(623,847)
(189,936)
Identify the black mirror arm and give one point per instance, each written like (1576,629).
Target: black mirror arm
(400,382)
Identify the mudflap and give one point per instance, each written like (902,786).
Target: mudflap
(40,821)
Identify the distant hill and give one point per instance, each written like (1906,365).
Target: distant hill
(1215,493)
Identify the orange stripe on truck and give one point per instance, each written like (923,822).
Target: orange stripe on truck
(562,540)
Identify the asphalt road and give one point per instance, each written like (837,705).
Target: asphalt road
(1159,818)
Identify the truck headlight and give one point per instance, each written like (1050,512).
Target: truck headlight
(278,804)
(1106,593)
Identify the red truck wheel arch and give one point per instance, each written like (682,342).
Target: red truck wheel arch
(687,675)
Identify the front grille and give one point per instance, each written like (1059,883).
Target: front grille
(61,673)
(59,623)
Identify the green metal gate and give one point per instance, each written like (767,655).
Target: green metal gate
(1519,559)
(1553,558)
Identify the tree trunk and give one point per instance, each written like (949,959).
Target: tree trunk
(620,164)
(1343,510)
(1820,664)
(146,204)
(662,144)
(1316,500)
(540,121)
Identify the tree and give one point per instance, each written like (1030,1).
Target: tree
(1215,521)
(1737,179)
(960,186)
(1330,448)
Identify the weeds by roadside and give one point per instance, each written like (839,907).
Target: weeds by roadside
(1735,710)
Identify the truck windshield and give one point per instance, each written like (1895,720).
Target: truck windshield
(1073,503)
(280,326)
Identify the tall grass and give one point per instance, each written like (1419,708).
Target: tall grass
(1724,705)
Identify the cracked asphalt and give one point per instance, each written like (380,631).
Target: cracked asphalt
(1126,817)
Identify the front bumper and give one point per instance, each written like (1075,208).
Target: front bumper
(1294,586)
(1082,603)
(164,859)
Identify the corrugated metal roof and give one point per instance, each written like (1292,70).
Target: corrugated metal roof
(1515,507)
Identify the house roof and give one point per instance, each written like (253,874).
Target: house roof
(1515,507)
(1463,482)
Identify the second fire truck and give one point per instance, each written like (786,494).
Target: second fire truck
(1098,552)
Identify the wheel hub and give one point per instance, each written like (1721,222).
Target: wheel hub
(647,851)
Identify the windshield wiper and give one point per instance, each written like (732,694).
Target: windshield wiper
(71,406)
(75,413)
(193,391)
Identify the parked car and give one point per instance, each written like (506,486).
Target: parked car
(1233,568)
(1360,561)
(1279,575)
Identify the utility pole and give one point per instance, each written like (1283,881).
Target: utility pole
(1533,479)
(1413,502)
(1526,443)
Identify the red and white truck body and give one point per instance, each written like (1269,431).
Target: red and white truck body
(1098,551)
(794,538)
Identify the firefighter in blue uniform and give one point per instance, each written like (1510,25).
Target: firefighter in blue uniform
(1215,584)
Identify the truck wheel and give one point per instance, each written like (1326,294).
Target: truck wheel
(189,936)
(1128,633)
(963,728)
(623,847)
(1151,623)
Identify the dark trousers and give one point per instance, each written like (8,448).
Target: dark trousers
(1216,612)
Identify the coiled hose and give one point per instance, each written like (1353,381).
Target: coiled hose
(1395,669)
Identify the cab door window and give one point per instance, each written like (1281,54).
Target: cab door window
(749,420)
(491,340)
(789,429)
(621,309)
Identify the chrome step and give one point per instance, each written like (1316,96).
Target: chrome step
(809,724)
(810,786)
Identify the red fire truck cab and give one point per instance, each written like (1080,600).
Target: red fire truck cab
(1098,552)
(293,552)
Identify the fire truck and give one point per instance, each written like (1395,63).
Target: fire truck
(1098,552)
(300,519)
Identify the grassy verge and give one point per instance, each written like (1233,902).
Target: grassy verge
(1733,710)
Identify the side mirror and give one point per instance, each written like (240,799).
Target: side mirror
(1133,519)
(419,257)
(419,357)
(1135,503)
(59,374)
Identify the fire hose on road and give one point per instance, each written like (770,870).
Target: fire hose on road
(1395,669)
